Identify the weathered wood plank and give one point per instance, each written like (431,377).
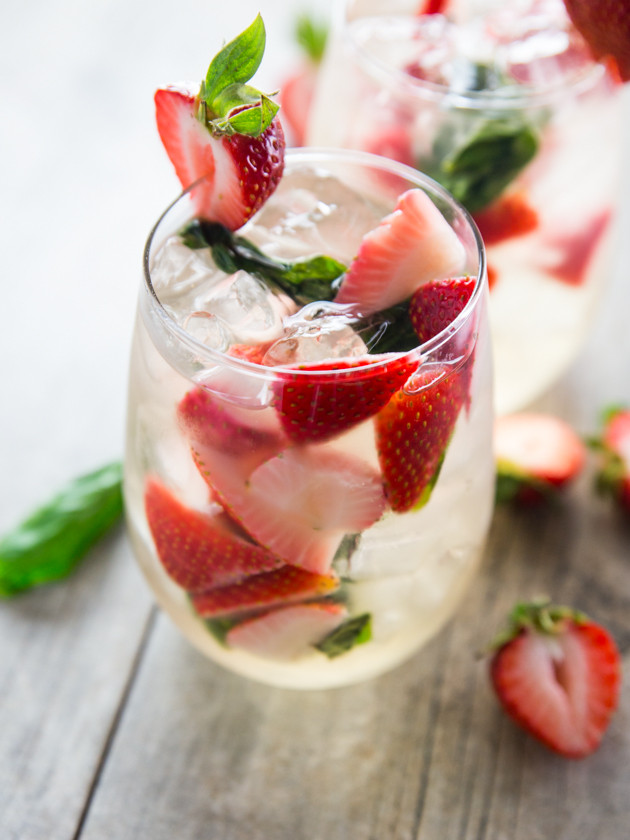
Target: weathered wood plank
(67,652)
(423,752)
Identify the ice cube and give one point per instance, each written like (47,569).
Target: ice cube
(248,307)
(177,272)
(318,331)
(313,213)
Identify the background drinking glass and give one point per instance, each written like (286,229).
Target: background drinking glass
(501,103)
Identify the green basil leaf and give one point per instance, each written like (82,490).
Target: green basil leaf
(478,171)
(303,281)
(237,62)
(48,544)
(311,35)
(355,631)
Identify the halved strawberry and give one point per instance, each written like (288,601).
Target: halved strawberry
(413,432)
(613,448)
(288,632)
(535,455)
(557,674)
(301,503)
(411,246)
(506,218)
(200,550)
(285,585)
(323,399)
(226,132)
(605,26)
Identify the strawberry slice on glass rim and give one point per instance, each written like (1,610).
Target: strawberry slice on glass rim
(226,133)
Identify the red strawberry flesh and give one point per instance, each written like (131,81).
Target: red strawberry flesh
(198,550)
(324,399)
(285,585)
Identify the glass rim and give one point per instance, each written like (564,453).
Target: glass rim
(315,154)
(522,97)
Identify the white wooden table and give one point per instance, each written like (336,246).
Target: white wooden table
(111,727)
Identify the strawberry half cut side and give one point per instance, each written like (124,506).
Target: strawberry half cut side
(557,674)
(413,432)
(287,633)
(285,585)
(340,394)
(199,550)
(412,245)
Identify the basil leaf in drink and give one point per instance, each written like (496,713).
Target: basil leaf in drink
(311,35)
(48,544)
(303,281)
(478,171)
(355,631)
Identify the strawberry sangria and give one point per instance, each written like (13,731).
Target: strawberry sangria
(502,104)
(309,475)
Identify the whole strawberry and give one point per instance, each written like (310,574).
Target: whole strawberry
(605,26)
(557,674)
(226,132)
(613,448)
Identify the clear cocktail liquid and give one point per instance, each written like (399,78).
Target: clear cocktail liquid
(405,573)
(503,105)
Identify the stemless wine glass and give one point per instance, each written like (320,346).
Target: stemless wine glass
(502,104)
(264,497)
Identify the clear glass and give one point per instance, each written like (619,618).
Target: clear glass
(236,464)
(397,83)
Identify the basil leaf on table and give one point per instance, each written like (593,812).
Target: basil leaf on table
(50,542)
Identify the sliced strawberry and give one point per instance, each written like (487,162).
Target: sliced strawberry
(300,504)
(411,246)
(434,307)
(288,632)
(200,550)
(437,304)
(535,455)
(557,674)
(241,172)
(323,399)
(209,424)
(605,26)
(576,249)
(285,585)
(508,217)
(225,132)
(613,447)
(413,432)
